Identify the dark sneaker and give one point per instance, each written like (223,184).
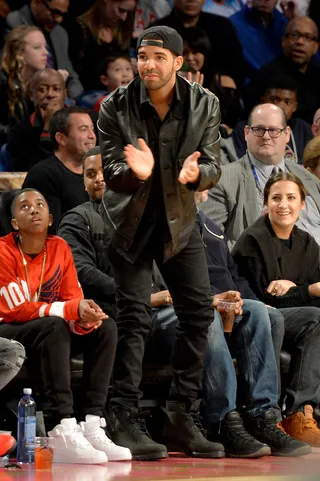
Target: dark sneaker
(183,431)
(267,430)
(238,443)
(131,432)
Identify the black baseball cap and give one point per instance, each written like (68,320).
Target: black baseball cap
(170,39)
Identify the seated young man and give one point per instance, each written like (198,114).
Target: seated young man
(42,306)
(83,229)
(12,356)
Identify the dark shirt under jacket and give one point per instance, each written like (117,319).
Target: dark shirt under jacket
(226,49)
(62,188)
(262,258)
(308,85)
(154,220)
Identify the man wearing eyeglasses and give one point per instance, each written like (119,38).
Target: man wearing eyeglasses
(299,45)
(48,15)
(237,200)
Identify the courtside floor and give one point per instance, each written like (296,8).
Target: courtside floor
(177,467)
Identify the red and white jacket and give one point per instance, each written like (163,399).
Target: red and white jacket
(60,293)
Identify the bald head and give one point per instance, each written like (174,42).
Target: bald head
(48,86)
(267,133)
(268,110)
(300,41)
(316,123)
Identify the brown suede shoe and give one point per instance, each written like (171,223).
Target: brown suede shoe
(302,426)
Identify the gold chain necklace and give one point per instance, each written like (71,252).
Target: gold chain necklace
(25,264)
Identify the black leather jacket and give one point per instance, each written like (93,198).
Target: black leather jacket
(120,123)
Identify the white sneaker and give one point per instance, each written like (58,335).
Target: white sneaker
(93,432)
(70,445)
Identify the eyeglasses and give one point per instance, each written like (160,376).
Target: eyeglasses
(308,37)
(55,12)
(260,131)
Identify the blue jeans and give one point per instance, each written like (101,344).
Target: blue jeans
(250,344)
(12,356)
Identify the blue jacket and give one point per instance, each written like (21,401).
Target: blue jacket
(260,44)
(222,269)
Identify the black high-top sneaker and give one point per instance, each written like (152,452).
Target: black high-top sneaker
(183,431)
(237,442)
(266,429)
(130,431)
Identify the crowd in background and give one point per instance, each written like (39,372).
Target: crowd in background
(60,59)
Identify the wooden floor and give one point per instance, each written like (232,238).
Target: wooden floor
(306,468)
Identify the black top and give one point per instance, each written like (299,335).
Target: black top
(62,188)
(262,258)
(223,271)
(226,49)
(87,54)
(28,143)
(308,85)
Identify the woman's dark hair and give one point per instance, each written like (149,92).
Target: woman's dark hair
(283,176)
(96,20)
(197,40)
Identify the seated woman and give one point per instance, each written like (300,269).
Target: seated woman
(104,29)
(24,53)
(281,263)
(42,306)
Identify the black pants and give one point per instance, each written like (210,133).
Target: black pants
(186,276)
(302,339)
(49,342)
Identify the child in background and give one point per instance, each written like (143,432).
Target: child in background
(114,71)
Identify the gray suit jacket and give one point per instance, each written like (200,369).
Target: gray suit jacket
(232,203)
(60,45)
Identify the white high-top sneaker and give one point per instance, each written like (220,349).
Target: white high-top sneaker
(93,432)
(70,445)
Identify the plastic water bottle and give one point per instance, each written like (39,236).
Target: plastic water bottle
(26,427)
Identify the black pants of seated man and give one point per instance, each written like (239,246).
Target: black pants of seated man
(48,341)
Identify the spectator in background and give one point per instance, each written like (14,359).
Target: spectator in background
(148,11)
(104,29)
(281,91)
(113,71)
(281,263)
(226,48)
(47,15)
(85,232)
(24,53)
(197,53)
(316,123)
(236,201)
(29,140)
(300,43)
(311,156)
(60,177)
(260,28)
